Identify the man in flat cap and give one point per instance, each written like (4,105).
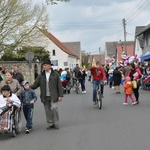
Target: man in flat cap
(51,93)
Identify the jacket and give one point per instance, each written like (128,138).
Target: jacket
(26,96)
(128,87)
(18,76)
(98,73)
(55,86)
(14,86)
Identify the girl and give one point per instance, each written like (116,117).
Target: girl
(128,91)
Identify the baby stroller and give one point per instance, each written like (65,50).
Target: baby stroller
(64,85)
(10,117)
(147,82)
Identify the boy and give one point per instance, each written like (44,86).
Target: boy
(110,80)
(28,98)
(7,99)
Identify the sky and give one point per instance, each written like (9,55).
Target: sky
(94,22)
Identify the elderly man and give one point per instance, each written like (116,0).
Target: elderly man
(51,92)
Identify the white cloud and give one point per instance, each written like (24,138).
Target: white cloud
(95,22)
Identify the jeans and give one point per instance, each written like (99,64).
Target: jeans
(82,81)
(95,83)
(28,113)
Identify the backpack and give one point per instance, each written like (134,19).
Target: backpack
(68,75)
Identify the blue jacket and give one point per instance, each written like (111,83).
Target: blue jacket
(26,96)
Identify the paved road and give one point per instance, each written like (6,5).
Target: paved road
(85,127)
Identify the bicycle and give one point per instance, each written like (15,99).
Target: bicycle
(77,85)
(98,96)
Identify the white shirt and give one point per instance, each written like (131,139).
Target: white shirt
(13,97)
(47,74)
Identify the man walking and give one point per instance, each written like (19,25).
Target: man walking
(51,92)
(17,75)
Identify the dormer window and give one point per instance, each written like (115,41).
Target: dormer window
(53,53)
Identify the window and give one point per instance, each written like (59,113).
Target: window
(65,63)
(53,52)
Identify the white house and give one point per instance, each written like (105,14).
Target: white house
(60,55)
(138,41)
(145,37)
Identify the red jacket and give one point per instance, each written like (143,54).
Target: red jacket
(98,73)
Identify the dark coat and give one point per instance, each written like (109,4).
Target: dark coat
(55,86)
(117,77)
(18,76)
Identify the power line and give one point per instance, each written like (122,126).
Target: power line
(137,13)
(130,13)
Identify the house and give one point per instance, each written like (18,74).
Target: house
(96,57)
(145,35)
(138,41)
(75,48)
(128,50)
(60,55)
(111,48)
(115,49)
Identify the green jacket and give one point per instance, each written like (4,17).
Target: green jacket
(55,86)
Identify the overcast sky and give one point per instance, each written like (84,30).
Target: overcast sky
(94,22)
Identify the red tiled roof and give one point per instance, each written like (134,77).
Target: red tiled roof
(57,42)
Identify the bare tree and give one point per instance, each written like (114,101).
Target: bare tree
(17,19)
(55,1)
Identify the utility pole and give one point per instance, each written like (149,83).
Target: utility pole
(124,28)
(100,54)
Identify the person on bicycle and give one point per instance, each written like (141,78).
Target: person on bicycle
(76,73)
(99,77)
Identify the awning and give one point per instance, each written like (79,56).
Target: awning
(145,57)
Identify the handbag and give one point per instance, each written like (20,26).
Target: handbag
(134,84)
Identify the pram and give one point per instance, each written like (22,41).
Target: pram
(67,85)
(64,85)
(12,117)
(147,82)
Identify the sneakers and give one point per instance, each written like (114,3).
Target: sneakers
(27,130)
(84,92)
(125,104)
(134,103)
(94,103)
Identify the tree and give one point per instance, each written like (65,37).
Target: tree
(85,59)
(40,54)
(17,19)
(55,1)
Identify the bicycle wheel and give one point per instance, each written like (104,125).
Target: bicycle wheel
(99,100)
(77,89)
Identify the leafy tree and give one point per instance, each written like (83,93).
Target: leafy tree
(85,58)
(40,54)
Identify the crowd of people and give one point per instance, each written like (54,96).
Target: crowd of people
(55,83)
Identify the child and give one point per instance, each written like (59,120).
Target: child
(7,99)
(110,80)
(128,91)
(28,98)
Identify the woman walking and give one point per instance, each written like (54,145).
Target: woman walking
(135,74)
(117,80)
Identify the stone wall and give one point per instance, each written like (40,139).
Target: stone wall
(29,74)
